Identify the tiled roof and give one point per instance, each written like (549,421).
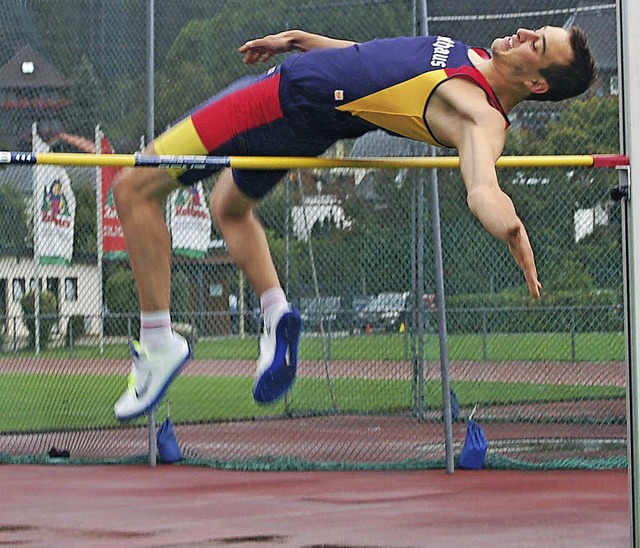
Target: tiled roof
(29,69)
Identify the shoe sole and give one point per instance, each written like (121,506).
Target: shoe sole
(162,392)
(276,381)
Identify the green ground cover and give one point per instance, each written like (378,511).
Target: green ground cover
(591,347)
(38,401)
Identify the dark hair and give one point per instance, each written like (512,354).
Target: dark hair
(567,81)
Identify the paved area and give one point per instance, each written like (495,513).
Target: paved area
(189,506)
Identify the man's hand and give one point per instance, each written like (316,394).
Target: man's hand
(494,209)
(518,244)
(261,50)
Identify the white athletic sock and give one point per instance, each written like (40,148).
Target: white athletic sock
(155,329)
(273,302)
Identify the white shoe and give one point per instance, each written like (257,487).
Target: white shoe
(278,357)
(151,374)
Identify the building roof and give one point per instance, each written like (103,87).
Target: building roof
(380,143)
(477,24)
(17,29)
(601,30)
(20,176)
(29,69)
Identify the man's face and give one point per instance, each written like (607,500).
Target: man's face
(528,51)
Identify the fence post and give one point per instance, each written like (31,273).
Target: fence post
(15,337)
(484,334)
(573,334)
(70,335)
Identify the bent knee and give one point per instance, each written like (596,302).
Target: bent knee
(227,203)
(224,211)
(135,185)
(124,188)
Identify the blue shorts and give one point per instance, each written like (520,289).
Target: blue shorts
(245,119)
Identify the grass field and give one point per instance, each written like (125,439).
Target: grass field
(591,347)
(39,401)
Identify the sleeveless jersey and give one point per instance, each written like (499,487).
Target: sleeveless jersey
(383,83)
(303,106)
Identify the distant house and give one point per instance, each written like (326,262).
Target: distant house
(31,89)
(74,286)
(317,210)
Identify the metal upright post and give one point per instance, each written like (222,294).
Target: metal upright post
(629,71)
(150,135)
(439,276)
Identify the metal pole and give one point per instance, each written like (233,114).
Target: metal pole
(629,75)
(99,206)
(439,276)
(442,321)
(36,257)
(287,230)
(297,162)
(150,137)
(150,70)
(416,358)
(241,304)
(420,234)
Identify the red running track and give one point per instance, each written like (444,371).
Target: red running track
(189,506)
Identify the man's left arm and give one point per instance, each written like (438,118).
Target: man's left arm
(261,50)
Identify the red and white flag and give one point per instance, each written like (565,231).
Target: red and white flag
(113,243)
(54,210)
(190,222)
(112,237)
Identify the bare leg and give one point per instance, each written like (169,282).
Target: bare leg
(140,194)
(246,240)
(232,211)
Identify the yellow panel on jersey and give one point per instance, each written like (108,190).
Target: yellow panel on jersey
(179,139)
(400,108)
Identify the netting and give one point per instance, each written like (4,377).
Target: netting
(353,248)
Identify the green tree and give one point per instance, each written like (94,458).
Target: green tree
(547,198)
(84,236)
(47,316)
(121,298)
(14,217)
(204,59)
(180,296)
(378,248)
(87,96)
(586,126)
(121,294)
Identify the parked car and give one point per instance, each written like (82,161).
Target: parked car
(359,304)
(319,309)
(386,311)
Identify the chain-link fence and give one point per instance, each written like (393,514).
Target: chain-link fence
(353,248)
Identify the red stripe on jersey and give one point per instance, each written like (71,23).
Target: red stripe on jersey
(256,105)
(473,74)
(483,53)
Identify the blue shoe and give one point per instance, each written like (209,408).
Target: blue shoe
(278,357)
(151,374)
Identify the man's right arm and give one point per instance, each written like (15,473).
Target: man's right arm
(260,50)
(479,149)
